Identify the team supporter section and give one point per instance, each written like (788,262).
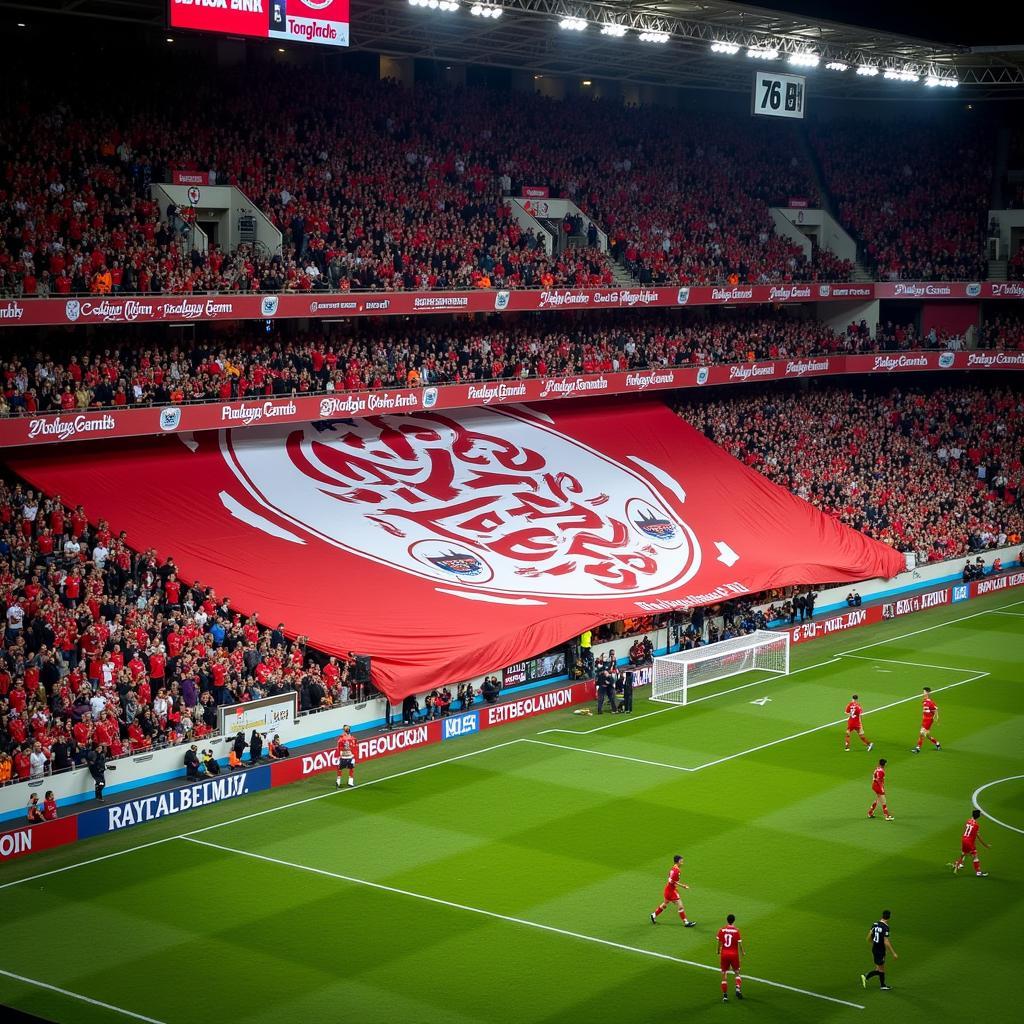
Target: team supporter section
(914,196)
(1002,332)
(107,645)
(239,361)
(377,187)
(934,472)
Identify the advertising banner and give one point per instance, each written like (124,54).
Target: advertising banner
(19,842)
(814,629)
(458,726)
(991,586)
(190,177)
(536,192)
(119,309)
(266,715)
(370,748)
(112,423)
(514,675)
(536,704)
(510,530)
(114,817)
(302,21)
(916,603)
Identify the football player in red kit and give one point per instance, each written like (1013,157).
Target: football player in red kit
(853,724)
(346,750)
(671,894)
(730,946)
(970,836)
(878,788)
(929,716)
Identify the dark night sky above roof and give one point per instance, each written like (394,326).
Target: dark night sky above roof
(990,24)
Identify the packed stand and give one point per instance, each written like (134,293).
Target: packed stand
(241,362)
(376,187)
(1003,332)
(937,473)
(915,196)
(105,647)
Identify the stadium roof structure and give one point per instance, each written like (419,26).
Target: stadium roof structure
(527,38)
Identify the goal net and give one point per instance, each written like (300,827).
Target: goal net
(676,674)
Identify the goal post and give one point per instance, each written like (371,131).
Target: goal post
(676,674)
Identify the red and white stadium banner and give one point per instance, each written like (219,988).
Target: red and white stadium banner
(506,530)
(190,177)
(132,422)
(305,21)
(536,704)
(536,192)
(181,308)
(425,733)
(993,585)
(19,842)
(798,203)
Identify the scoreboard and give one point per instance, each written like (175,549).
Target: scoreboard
(778,95)
(297,21)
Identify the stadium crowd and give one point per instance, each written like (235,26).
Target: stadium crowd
(106,646)
(937,473)
(378,187)
(243,362)
(1005,332)
(915,196)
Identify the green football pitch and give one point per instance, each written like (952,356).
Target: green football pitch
(509,877)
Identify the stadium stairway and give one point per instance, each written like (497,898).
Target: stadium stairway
(827,202)
(997,270)
(623,278)
(860,272)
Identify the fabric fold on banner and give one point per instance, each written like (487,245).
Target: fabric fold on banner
(449,544)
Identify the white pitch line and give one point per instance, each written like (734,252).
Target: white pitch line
(751,750)
(928,629)
(981,789)
(913,664)
(80,997)
(806,668)
(256,814)
(676,707)
(603,753)
(839,721)
(830,725)
(513,920)
(85,863)
(334,792)
(320,796)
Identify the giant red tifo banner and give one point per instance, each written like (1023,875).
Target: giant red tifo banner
(447,544)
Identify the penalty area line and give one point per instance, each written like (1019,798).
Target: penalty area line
(750,750)
(524,922)
(77,995)
(603,753)
(696,700)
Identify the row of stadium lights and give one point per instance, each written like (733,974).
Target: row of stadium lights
(477,10)
(570,24)
(765,53)
(812,60)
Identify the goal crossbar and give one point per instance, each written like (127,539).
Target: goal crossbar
(676,674)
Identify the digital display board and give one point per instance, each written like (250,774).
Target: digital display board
(297,21)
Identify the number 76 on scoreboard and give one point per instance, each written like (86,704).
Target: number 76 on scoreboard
(778,95)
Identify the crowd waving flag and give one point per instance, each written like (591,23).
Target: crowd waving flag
(448,544)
